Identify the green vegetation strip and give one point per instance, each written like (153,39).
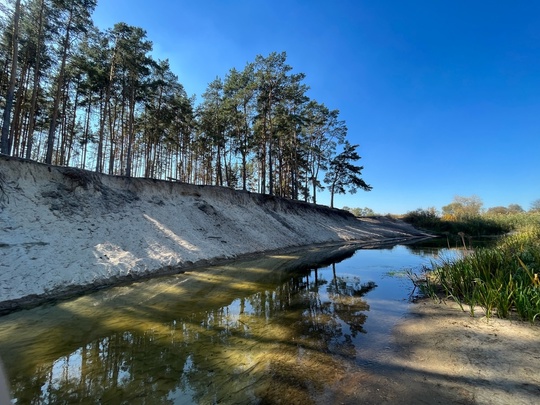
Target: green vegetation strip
(503,280)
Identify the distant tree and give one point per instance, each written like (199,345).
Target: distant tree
(535,206)
(342,173)
(511,209)
(463,207)
(500,210)
(360,212)
(424,218)
(424,213)
(515,208)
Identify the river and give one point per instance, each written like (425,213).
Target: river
(276,329)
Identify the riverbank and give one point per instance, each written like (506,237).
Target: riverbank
(456,358)
(65,231)
(441,355)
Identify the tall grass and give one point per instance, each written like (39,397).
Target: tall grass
(515,221)
(502,280)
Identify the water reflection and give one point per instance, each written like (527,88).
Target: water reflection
(265,331)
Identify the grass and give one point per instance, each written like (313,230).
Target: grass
(503,280)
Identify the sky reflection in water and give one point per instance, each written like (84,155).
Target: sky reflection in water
(255,332)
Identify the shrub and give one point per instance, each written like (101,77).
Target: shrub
(472,226)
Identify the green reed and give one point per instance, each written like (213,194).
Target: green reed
(502,280)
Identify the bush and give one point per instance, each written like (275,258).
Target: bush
(472,226)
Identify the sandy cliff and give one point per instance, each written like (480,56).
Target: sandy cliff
(64,230)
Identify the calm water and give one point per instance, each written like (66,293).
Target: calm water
(281,329)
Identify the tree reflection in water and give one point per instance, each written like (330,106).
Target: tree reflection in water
(290,341)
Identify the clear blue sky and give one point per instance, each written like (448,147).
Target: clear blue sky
(443,97)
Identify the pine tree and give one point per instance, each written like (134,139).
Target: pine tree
(73,18)
(342,174)
(5,146)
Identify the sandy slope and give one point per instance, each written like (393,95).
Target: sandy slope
(64,230)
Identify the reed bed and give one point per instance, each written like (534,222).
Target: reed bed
(503,280)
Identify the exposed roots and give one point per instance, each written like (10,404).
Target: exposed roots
(3,195)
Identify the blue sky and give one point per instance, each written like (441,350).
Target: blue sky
(443,97)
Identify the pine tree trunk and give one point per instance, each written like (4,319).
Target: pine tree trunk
(17,120)
(99,159)
(58,95)
(4,140)
(130,136)
(35,89)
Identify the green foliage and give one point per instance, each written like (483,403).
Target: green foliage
(320,134)
(424,218)
(479,225)
(511,209)
(342,173)
(502,280)
(463,207)
(515,221)
(361,212)
(97,99)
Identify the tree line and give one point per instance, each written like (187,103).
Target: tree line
(74,95)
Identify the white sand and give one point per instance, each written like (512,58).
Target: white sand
(64,230)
